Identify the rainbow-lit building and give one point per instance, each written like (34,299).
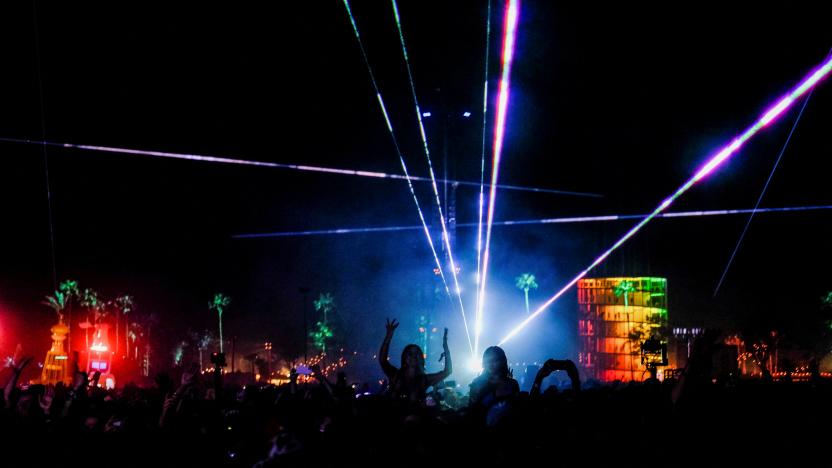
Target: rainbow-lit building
(615,315)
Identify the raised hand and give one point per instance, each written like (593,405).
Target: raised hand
(391,327)
(21,363)
(548,367)
(95,377)
(189,375)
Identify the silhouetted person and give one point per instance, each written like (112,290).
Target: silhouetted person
(410,382)
(552,365)
(491,393)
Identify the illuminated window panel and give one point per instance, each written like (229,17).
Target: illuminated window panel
(620,312)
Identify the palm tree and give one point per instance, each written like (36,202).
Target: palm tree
(58,303)
(61,300)
(70,290)
(203,343)
(90,301)
(124,305)
(150,321)
(323,332)
(525,282)
(626,288)
(135,332)
(219,304)
(325,303)
(320,335)
(179,352)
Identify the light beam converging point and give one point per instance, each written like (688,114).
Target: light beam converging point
(768,117)
(512,12)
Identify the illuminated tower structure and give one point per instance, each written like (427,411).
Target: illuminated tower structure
(615,315)
(101,356)
(56,364)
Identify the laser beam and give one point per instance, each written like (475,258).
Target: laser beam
(512,12)
(714,162)
(296,167)
(398,150)
(481,199)
(445,237)
(526,222)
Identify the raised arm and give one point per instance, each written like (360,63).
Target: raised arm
(433,379)
(18,365)
(389,369)
(552,365)
(172,402)
(319,374)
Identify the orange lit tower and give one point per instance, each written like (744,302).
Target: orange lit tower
(56,364)
(615,315)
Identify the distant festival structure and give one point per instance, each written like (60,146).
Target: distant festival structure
(101,357)
(56,364)
(616,316)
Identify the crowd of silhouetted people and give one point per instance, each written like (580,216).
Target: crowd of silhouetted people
(415,419)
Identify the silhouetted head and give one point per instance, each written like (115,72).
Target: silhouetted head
(494,361)
(413,357)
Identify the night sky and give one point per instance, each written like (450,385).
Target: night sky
(625,101)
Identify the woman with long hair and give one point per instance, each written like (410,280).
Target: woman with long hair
(491,392)
(410,381)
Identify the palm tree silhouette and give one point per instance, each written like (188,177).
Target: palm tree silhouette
(124,305)
(91,301)
(70,290)
(57,302)
(219,304)
(136,331)
(320,335)
(204,342)
(525,282)
(324,304)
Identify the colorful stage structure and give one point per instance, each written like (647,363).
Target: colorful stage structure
(100,357)
(56,364)
(616,316)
